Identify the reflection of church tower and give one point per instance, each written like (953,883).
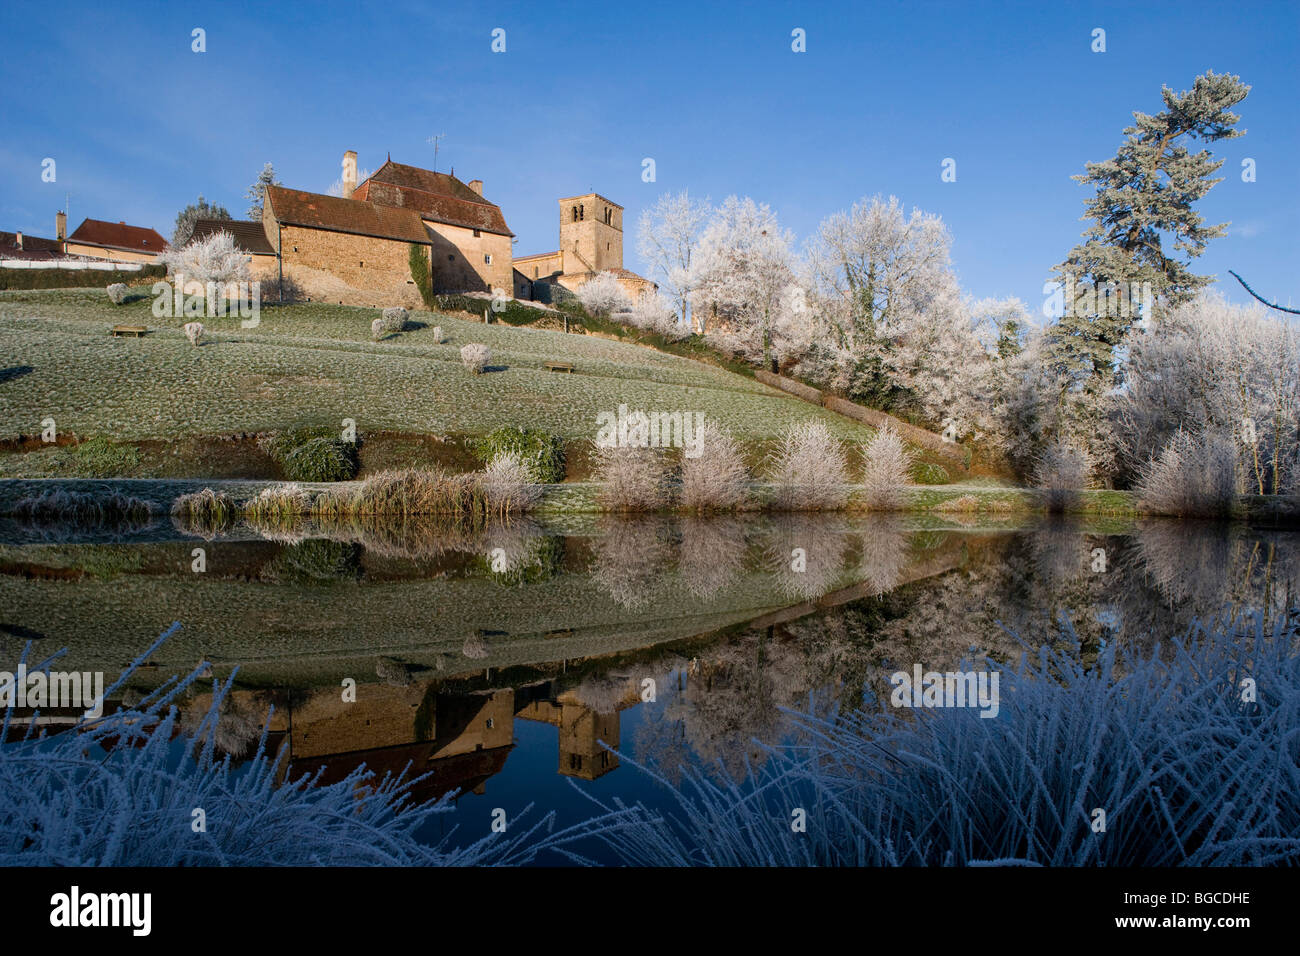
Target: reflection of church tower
(581,730)
(591,234)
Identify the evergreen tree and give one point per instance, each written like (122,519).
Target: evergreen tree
(257,191)
(1144,197)
(186,218)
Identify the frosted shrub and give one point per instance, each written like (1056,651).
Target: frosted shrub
(390,321)
(809,469)
(437,335)
(215,258)
(507,481)
(194,332)
(631,479)
(602,295)
(653,313)
(1194,476)
(716,480)
(1060,473)
(887,462)
(475,357)
(117,293)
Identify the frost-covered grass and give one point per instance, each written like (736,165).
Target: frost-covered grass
(123,790)
(1186,771)
(319,359)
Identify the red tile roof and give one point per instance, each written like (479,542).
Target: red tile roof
(118,235)
(299,208)
(438,197)
(34,247)
(249,235)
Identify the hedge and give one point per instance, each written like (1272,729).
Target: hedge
(75,278)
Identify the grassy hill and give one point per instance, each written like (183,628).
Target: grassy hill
(316,362)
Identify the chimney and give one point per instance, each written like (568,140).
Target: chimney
(19,241)
(349,173)
(60,226)
(476,185)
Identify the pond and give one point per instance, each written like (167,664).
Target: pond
(501,663)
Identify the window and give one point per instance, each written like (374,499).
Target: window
(575,213)
(490,723)
(363,263)
(534,272)
(295,248)
(450,257)
(609,216)
(582,212)
(487,259)
(475,233)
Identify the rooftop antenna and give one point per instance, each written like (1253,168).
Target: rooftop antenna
(435,140)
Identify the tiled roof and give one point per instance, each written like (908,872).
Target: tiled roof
(118,235)
(34,247)
(438,197)
(249,235)
(299,208)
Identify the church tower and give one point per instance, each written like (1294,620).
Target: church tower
(591,234)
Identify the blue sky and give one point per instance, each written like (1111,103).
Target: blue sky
(139,124)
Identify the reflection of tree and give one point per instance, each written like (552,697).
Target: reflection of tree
(629,555)
(885,552)
(712,553)
(237,723)
(822,541)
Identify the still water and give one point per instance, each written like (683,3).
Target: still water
(500,663)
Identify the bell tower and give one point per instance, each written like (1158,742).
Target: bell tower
(591,234)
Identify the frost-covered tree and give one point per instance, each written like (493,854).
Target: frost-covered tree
(214,258)
(257,192)
(871,272)
(746,297)
(1211,367)
(1144,228)
(668,236)
(195,211)
(602,296)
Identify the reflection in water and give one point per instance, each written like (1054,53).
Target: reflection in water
(677,641)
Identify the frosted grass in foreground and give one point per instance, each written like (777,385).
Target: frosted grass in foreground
(1191,750)
(1186,771)
(121,791)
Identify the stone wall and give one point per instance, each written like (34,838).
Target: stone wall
(460,260)
(349,269)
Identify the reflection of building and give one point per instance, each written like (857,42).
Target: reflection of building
(581,729)
(458,740)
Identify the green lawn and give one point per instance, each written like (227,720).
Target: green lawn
(317,362)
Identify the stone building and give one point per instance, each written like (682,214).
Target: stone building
(115,241)
(470,240)
(343,250)
(591,242)
(354,249)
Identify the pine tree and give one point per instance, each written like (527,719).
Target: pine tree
(186,218)
(1144,196)
(257,191)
